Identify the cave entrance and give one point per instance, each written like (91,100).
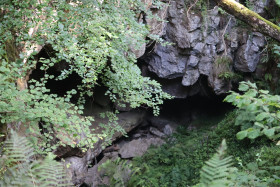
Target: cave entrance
(195,108)
(58,87)
(98,102)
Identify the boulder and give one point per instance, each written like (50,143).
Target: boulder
(190,78)
(156,132)
(168,130)
(164,125)
(79,160)
(248,55)
(138,147)
(77,169)
(92,177)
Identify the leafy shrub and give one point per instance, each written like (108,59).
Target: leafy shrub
(267,164)
(24,109)
(93,39)
(258,113)
(173,164)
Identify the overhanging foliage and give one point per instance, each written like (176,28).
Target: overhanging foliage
(94,38)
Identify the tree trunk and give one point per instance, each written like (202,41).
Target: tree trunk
(250,17)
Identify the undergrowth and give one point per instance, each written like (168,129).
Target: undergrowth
(179,161)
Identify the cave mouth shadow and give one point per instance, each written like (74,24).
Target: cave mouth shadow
(92,104)
(179,110)
(58,87)
(185,111)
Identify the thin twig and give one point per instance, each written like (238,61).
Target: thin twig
(191,8)
(223,38)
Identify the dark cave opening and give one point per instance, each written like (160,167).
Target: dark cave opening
(201,101)
(94,104)
(184,111)
(196,100)
(189,102)
(58,87)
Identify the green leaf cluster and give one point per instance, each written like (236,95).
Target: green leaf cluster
(95,39)
(58,118)
(258,114)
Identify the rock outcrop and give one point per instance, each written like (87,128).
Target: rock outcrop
(138,147)
(197,41)
(79,161)
(154,132)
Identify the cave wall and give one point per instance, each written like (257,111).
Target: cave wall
(204,46)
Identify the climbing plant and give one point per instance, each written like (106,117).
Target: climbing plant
(95,39)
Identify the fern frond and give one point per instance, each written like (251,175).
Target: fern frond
(18,148)
(23,170)
(50,173)
(217,169)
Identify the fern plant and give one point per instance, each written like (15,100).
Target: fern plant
(119,171)
(20,167)
(216,171)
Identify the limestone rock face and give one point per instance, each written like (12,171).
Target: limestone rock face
(157,27)
(189,66)
(166,62)
(196,43)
